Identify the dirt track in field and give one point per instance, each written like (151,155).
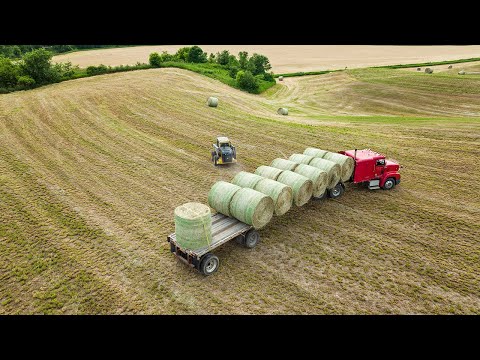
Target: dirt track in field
(291,58)
(92,169)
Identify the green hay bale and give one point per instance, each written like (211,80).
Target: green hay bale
(282,111)
(346,163)
(193,225)
(221,195)
(318,177)
(252,207)
(315,152)
(281,194)
(333,170)
(268,172)
(246,179)
(428,71)
(212,102)
(302,187)
(301,159)
(283,164)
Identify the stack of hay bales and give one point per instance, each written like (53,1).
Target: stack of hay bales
(212,101)
(282,111)
(281,194)
(283,164)
(247,205)
(428,71)
(332,169)
(268,172)
(193,225)
(346,163)
(301,158)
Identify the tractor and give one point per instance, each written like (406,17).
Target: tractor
(223,152)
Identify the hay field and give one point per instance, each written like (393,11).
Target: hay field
(290,58)
(92,169)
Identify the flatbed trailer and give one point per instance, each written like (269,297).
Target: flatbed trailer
(224,229)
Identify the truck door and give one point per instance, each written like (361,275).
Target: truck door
(379,168)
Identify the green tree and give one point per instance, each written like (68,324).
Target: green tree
(211,58)
(223,57)
(154,59)
(260,64)
(182,53)
(196,55)
(36,64)
(26,81)
(8,73)
(243,59)
(247,81)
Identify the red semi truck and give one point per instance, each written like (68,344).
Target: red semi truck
(372,169)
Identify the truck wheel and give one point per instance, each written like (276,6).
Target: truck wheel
(209,264)
(389,184)
(251,239)
(336,192)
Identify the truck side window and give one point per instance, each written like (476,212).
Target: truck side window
(381,162)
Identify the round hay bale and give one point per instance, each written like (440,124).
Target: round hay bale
(302,186)
(283,164)
(220,196)
(280,78)
(461,72)
(346,163)
(419,69)
(282,111)
(428,71)
(252,207)
(333,170)
(246,179)
(193,225)
(315,152)
(319,178)
(268,172)
(301,159)
(281,194)
(450,67)
(212,101)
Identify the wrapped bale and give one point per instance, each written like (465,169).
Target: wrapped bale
(246,179)
(461,72)
(220,196)
(302,186)
(429,71)
(301,159)
(315,152)
(280,78)
(282,111)
(268,172)
(212,102)
(319,178)
(252,207)
(281,194)
(346,163)
(193,225)
(333,170)
(283,164)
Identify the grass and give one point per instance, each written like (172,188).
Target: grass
(432,63)
(92,169)
(301,73)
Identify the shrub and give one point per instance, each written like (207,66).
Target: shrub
(196,55)
(223,57)
(259,64)
(65,70)
(233,72)
(154,60)
(8,73)
(243,59)
(25,81)
(182,54)
(97,70)
(211,58)
(268,76)
(36,64)
(247,81)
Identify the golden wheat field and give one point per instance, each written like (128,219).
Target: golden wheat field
(290,58)
(92,169)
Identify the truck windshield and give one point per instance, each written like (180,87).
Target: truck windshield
(381,162)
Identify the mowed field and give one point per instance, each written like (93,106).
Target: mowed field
(92,169)
(289,58)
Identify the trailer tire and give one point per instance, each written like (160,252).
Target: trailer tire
(320,197)
(251,239)
(172,248)
(389,184)
(209,264)
(337,191)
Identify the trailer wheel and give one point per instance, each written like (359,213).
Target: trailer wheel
(240,239)
(209,264)
(336,192)
(321,197)
(389,184)
(172,248)
(251,239)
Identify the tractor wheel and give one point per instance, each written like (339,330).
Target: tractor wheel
(389,184)
(251,239)
(336,192)
(209,264)
(215,160)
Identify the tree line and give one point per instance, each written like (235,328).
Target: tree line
(17,51)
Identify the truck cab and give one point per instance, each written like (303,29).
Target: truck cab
(373,168)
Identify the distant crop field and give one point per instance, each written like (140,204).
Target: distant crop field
(291,58)
(92,169)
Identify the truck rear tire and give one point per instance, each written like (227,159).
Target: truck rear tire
(251,239)
(209,264)
(389,184)
(336,192)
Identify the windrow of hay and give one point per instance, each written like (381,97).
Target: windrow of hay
(284,164)
(246,179)
(212,101)
(333,170)
(220,196)
(193,225)
(302,187)
(252,207)
(319,178)
(268,172)
(346,163)
(315,152)
(281,194)
(301,159)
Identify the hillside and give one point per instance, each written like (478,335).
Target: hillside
(92,169)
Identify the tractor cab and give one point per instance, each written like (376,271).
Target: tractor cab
(372,168)
(223,151)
